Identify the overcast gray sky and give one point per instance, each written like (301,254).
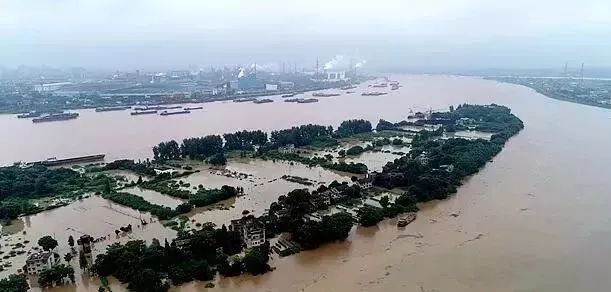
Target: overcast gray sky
(128,34)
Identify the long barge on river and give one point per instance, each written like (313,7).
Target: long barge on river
(149,112)
(79,159)
(323,94)
(167,113)
(157,108)
(56,117)
(112,108)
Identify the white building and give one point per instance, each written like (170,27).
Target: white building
(251,230)
(271,87)
(289,148)
(48,87)
(336,76)
(366,182)
(39,261)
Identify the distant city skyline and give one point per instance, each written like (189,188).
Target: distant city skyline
(440,34)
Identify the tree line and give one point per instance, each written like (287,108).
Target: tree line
(199,256)
(434,179)
(213,146)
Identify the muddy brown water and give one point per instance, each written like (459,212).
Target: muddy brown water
(535,219)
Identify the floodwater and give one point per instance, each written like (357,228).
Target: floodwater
(262,186)
(535,219)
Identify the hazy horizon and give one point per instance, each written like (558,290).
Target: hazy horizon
(439,34)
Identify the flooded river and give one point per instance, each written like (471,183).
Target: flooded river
(536,219)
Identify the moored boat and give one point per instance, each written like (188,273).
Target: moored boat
(143,112)
(32,114)
(265,100)
(323,94)
(409,218)
(307,100)
(80,159)
(167,113)
(112,108)
(373,93)
(244,99)
(194,108)
(56,117)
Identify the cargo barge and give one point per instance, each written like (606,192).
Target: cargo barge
(322,94)
(112,108)
(56,117)
(166,113)
(148,112)
(80,159)
(289,95)
(194,108)
(307,100)
(373,93)
(157,108)
(245,99)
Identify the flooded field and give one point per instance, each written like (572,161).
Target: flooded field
(262,187)
(154,197)
(532,220)
(93,215)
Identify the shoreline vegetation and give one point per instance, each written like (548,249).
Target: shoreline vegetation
(567,89)
(433,169)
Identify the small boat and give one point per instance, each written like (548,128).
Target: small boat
(291,100)
(167,113)
(289,95)
(194,108)
(307,100)
(349,92)
(32,114)
(348,87)
(380,85)
(409,218)
(394,87)
(265,100)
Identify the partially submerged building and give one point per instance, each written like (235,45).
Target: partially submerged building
(84,242)
(251,230)
(289,148)
(39,261)
(366,182)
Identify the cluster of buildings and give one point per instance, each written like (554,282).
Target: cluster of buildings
(41,260)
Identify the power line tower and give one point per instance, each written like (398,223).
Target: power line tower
(566,66)
(581,73)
